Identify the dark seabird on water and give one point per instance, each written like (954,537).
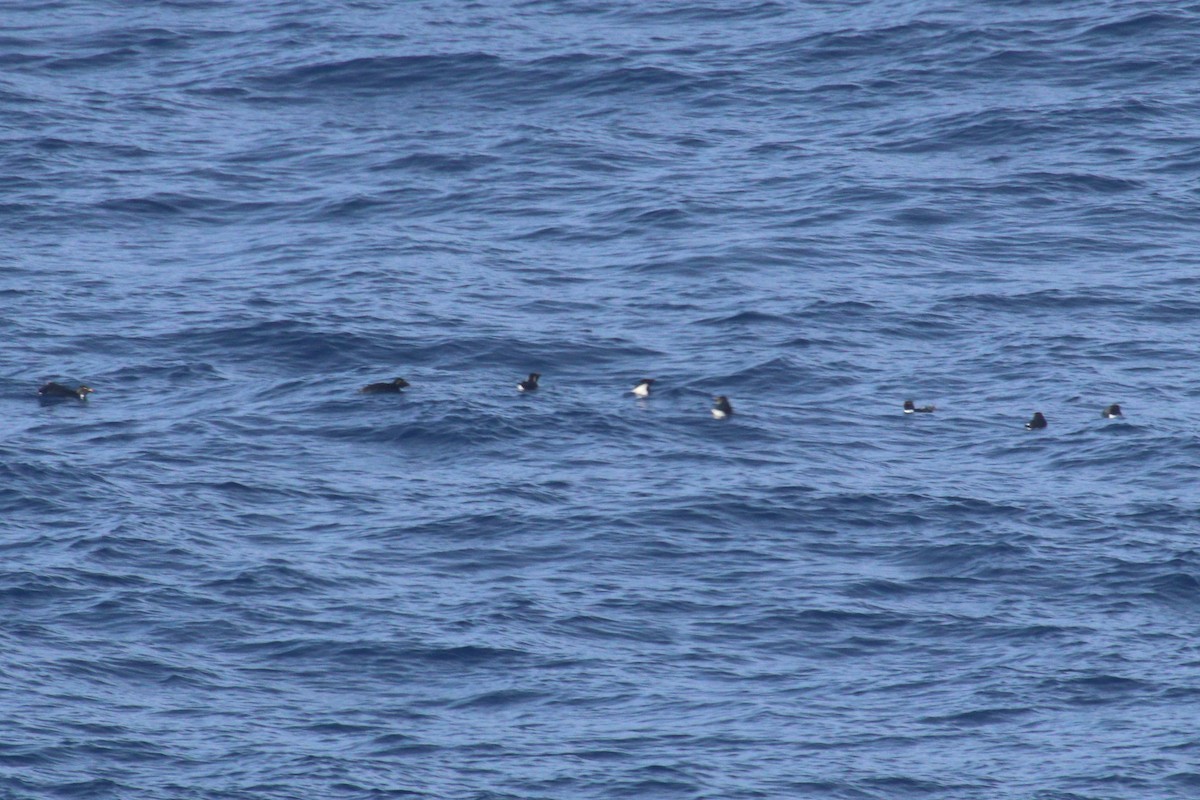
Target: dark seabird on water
(530,383)
(56,391)
(1037,423)
(390,387)
(721,407)
(1112,412)
(643,387)
(909,408)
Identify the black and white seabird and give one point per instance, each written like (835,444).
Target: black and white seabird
(721,408)
(530,383)
(643,387)
(1112,412)
(392,386)
(1037,423)
(53,391)
(909,408)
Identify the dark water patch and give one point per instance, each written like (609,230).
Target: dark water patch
(1033,633)
(747,319)
(385,660)
(1175,588)
(1096,689)
(884,589)
(501,699)
(193,207)
(1047,190)
(382,72)
(1061,184)
(543,354)
(163,205)
(684,266)
(110,58)
(451,528)
(708,516)
(16,61)
(923,326)
(9,40)
(1168,311)
(924,216)
(590,627)
(822,624)
(149,37)
(861,43)
(429,435)
(119,671)
(982,560)
(1191,780)
(847,309)
(440,163)
(1048,300)
(282,343)
(354,206)
(654,788)
(1152,515)
(1143,24)
(270,579)
(759,376)
(398,745)
(94,788)
(171,372)
(90,148)
(472,655)
(700,13)
(637,80)
(555,306)
(1001,128)
(980,717)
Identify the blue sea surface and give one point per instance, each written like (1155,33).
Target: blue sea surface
(229,575)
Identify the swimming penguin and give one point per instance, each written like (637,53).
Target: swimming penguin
(391,387)
(56,391)
(530,384)
(1112,412)
(643,387)
(909,408)
(721,408)
(1037,423)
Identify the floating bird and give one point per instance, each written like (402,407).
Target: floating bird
(52,391)
(721,408)
(390,387)
(1037,423)
(530,383)
(643,387)
(909,408)
(1112,412)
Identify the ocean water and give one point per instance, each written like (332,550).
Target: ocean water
(229,575)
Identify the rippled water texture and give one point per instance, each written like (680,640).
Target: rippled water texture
(230,575)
